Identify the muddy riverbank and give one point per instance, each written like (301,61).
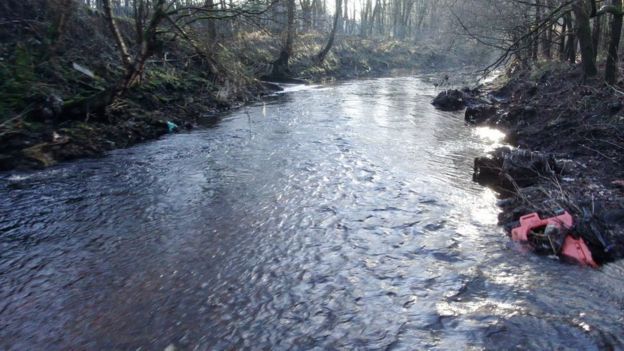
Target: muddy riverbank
(33,141)
(571,133)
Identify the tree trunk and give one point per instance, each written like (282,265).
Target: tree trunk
(345,20)
(562,41)
(306,11)
(583,32)
(374,17)
(547,42)
(379,21)
(65,7)
(570,47)
(280,66)
(547,37)
(536,38)
(119,41)
(148,44)
(611,70)
(321,55)
(405,18)
(364,21)
(134,65)
(596,30)
(212,26)
(314,14)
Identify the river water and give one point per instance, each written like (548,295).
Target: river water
(333,217)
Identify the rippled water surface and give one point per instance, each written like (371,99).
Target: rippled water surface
(337,217)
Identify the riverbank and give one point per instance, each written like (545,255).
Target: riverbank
(50,108)
(568,134)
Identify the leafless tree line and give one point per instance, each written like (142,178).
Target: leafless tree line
(531,30)
(523,30)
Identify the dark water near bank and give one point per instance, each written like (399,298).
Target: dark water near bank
(339,217)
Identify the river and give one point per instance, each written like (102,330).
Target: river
(328,217)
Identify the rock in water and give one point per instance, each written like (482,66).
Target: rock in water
(450,100)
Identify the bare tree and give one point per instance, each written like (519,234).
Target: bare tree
(134,64)
(281,68)
(330,42)
(611,70)
(581,10)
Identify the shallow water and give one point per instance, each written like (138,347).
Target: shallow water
(335,217)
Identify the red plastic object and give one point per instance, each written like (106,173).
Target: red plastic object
(575,249)
(532,220)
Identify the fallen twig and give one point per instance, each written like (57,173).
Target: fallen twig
(20,115)
(615,89)
(607,142)
(599,153)
(18,21)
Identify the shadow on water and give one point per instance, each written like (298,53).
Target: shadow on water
(329,217)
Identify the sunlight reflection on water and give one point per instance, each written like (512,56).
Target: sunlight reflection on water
(492,138)
(336,218)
